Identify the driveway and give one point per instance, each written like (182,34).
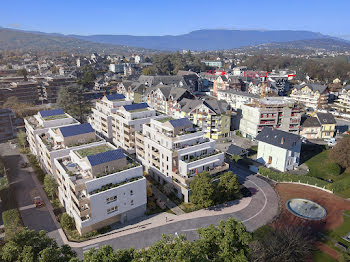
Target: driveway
(261,209)
(25,184)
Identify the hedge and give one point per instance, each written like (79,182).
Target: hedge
(12,222)
(340,185)
(285,177)
(40,174)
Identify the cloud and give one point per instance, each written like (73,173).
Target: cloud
(14,25)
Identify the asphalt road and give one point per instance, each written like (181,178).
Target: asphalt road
(261,210)
(25,188)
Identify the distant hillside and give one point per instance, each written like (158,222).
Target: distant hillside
(329,44)
(21,40)
(205,39)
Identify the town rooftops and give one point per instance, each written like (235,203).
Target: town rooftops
(235,150)
(116,96)
(181,122)
(53,112)
(68,131)
(135,106)
(314,87)
(105,157)
(311,122)
(326,118)
(278,138)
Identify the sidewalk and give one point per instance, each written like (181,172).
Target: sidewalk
(170,204)
(162,219)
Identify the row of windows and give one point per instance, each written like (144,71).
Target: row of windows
(112,209)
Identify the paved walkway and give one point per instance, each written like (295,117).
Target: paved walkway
(170,204)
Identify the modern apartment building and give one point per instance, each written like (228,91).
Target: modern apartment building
(52,85)
(311,95)
(59,141)
(270,112)
(101,117)
(343,101)
(42,122)
(212,115)
(99,185)
(128,120)
(236,99)
(25,91)
(7,124)
(173,151)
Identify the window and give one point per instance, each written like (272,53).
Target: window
(132,202)
(111,199)
(131,192)
(112,209)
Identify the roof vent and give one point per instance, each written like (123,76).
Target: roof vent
(282,140)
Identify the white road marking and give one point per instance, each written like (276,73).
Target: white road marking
(27,207)
(87,248)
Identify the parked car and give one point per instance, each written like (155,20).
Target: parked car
(331,141)
(38,202)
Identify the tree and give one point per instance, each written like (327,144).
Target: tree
(285,242)
(236,158)
(202,190)
(73,101)
(22,139)
(228,242)
(106,253)
(341,152)
(50,186)
(67,222)
(23,72)
(228,186)
(29,245)
(148,70)
(20,109)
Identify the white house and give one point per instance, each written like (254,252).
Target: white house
(278,149)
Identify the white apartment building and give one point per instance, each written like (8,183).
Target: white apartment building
(278,149)
(173,151)
(101,117)
(343,101)
(273,112)
(59,141)
(236,99)
(127,120)
(99,185)
(42,122)
(311,95)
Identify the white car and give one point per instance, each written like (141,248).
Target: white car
(331,141)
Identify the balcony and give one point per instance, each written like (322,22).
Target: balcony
(218,169)
(156,154)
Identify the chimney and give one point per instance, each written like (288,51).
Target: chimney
(282,140)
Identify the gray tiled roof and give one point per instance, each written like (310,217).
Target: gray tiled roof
(235,150)
(278,138)
(315,87)
(311,122)
(105,157)
(326,118)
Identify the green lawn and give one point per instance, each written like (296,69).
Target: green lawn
(94,150)
(163,120)
(322,167)
(338,233)
(319,256)
(345,193)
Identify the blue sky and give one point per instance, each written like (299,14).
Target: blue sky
(150,17)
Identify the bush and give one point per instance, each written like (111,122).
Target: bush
(12,222)
(340,185)
(67,222)
(285,177)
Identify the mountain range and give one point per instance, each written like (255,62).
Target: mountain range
(197,40)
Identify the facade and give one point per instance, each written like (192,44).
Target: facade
(236,99)
(343,101)
(212,115)
(278,149)
(270,112)
(128,120)
(101,117)
(173,151)
(311,128)
(42,122)
(311,95)
(328,123)
(7,125)
(59,141)
(52,85)
(225,83)
(26,92)
(213,63)
(99,185)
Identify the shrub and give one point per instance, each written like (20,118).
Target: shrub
(12,222)
(67,222)
(285,177)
